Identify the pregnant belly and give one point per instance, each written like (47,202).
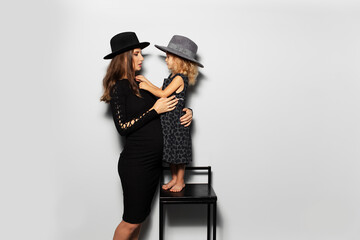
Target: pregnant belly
(147,141)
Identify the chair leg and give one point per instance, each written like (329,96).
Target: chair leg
(208,221)
(214,221)
(161,222)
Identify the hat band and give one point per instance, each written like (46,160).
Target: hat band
(182,50)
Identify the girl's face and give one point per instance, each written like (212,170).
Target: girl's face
(170,61)
(137,59)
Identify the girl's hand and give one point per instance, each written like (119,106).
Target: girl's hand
(163,105)
(143,85)
(187,118)
(141,78)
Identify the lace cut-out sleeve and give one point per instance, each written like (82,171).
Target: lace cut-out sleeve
(117,104)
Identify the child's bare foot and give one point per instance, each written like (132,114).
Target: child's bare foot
(169,184)
(178,187)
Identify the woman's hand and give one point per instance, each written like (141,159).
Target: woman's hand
(187,118)
(163,105)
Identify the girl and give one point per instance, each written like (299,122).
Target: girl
(180,60)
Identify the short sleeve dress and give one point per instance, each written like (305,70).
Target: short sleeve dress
(177,138)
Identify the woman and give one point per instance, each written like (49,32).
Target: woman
(136,116)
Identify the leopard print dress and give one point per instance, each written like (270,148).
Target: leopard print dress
(177,138)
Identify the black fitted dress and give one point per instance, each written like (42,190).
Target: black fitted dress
(140,161)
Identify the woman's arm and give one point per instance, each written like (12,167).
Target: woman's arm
(175,84)
(118,102)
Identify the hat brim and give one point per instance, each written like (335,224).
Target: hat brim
(177,53)
(141,45)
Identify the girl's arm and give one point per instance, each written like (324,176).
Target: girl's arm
(141,78)
(175,84)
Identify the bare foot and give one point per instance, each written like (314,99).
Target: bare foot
(169,184)
(177,187)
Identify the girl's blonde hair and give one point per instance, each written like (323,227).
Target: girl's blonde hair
(186,67)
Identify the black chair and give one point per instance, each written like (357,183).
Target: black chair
(193,193)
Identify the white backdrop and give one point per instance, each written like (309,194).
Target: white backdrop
(276,114)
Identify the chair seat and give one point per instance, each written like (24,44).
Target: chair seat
(192,193)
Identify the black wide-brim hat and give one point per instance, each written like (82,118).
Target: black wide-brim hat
(124,42)
(182,47)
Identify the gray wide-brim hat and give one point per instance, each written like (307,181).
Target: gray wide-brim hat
(183,47)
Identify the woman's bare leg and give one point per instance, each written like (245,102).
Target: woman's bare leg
(136,234)
(125,231)
(180,183)
(172,182)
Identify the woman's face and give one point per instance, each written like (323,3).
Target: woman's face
(137,59)
(169,61)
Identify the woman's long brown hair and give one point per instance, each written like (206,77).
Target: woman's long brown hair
(121,66)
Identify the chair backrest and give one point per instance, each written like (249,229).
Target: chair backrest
(208,169)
